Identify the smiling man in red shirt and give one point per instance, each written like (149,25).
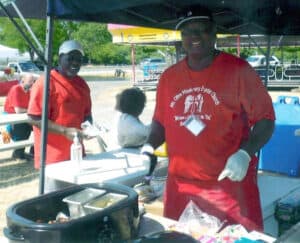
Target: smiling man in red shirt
(215,114)
(69,104)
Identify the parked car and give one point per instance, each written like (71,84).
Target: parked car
(260,60)
(24,67)
(153,67)
(7,74)
(153,63)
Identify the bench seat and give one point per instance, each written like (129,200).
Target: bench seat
(16,144)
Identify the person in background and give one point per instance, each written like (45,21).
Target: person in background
(214,114)
(69,104)
(17,101)
(131,131)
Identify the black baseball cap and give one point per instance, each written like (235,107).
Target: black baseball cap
(193,13)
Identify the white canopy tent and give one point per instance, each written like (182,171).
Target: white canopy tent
(8,54)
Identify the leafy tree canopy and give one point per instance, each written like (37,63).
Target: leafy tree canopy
(95,39)
(98,46)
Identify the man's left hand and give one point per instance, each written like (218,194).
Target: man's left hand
(236,166)
(70,132)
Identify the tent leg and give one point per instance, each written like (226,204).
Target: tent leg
(267,55)
(44,125)
(238,46)
(28,41)
(177,48)
(133,63)
(267,61)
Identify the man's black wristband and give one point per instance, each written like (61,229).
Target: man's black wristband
(153,162)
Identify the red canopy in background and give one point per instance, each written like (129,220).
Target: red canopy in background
(6,85)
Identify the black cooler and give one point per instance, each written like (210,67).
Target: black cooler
(81,213)
(287,211)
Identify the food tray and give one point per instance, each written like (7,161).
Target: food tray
(103,201)
(77,200)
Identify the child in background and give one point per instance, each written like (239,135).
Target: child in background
(131,132)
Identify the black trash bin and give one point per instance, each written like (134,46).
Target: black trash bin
(35,220)
(287,211)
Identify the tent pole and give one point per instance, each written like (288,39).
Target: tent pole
(267,61)
(177,48)
(257,45)
(40,55)
(133,62)
(267,55)
(44,125)
(238,45)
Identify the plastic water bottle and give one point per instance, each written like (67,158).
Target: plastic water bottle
(76,150)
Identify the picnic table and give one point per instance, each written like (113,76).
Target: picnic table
(14,119)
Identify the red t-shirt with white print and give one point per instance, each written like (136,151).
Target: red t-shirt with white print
(226,99)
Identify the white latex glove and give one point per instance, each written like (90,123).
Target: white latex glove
(236,166)
(147,148)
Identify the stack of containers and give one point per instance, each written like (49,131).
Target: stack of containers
(281,154)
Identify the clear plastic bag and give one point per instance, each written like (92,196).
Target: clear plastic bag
(90,130)
(196,223)
(94,131)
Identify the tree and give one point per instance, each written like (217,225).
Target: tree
(11,37)
(94,37)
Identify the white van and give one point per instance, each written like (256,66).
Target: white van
(260,60)
(21,68)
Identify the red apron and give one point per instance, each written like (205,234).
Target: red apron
(232,202)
